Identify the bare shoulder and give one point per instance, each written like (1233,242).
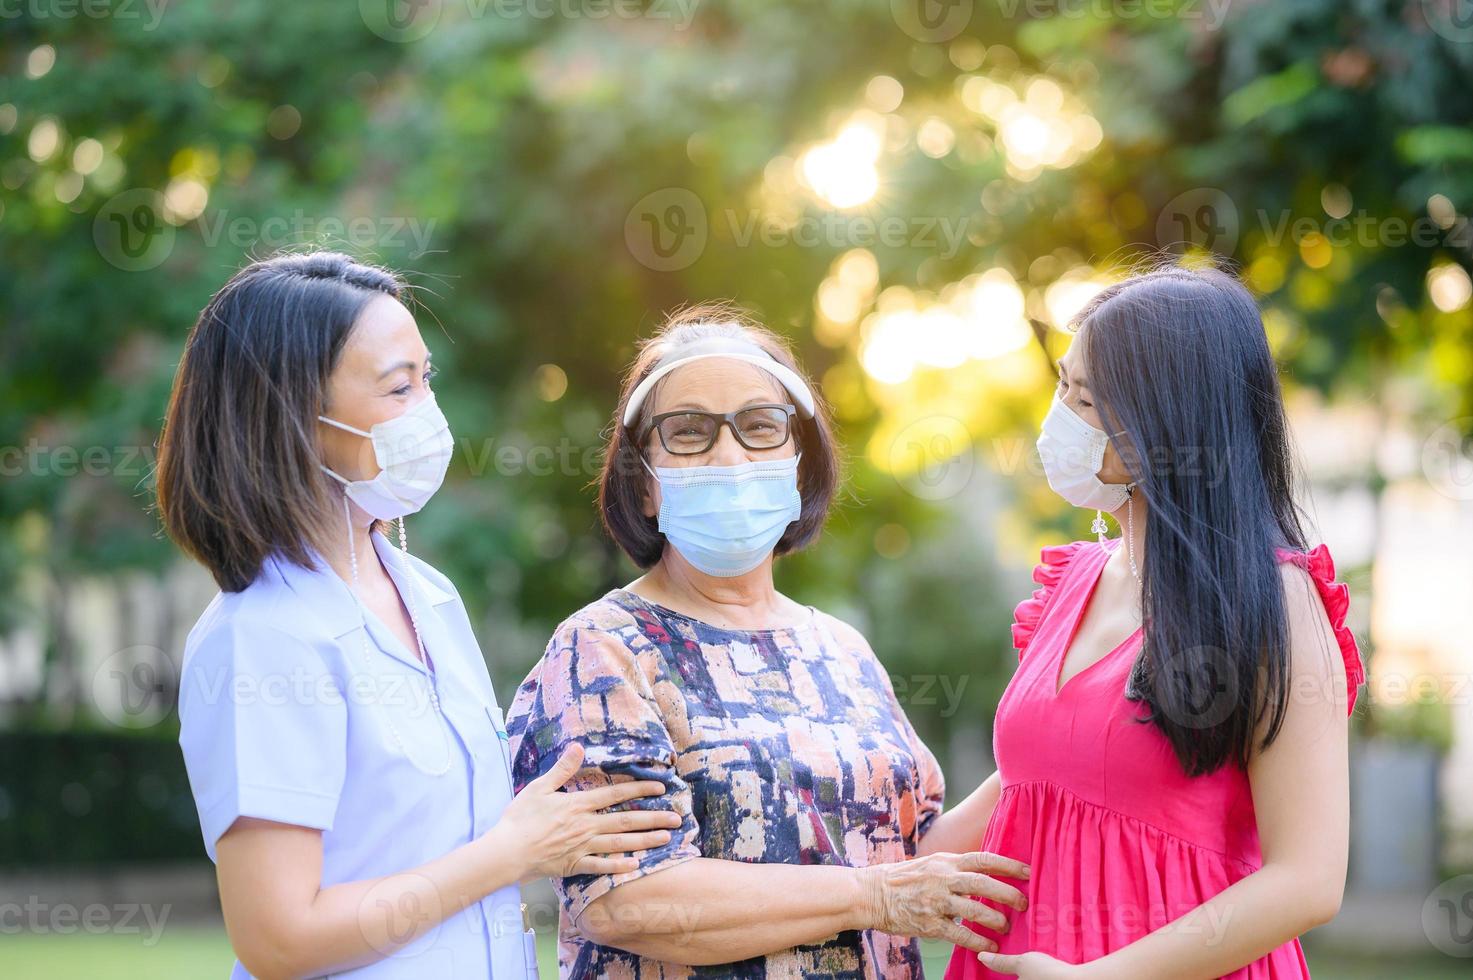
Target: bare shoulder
(1315,663)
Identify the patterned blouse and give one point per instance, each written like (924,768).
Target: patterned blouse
(777,746)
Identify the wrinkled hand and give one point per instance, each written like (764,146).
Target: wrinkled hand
(1034,966)
(556,834)
(926,896)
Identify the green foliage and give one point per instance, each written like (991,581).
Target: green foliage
(500,160)
(112,798)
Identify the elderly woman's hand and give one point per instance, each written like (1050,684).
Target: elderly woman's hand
(927,896)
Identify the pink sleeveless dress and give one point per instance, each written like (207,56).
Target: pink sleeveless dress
(1119,839)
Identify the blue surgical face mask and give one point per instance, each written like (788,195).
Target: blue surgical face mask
(725,520)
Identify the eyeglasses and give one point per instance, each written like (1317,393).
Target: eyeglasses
(688,433)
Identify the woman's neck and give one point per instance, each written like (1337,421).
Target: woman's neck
(1131,516)
(747,601)
(335,549)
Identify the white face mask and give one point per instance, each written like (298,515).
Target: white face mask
(1072,451)
(413,451)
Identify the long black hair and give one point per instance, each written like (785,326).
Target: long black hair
(1180,368)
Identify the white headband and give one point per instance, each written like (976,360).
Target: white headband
(737,350)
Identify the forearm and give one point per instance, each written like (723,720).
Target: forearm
(961,828)
(355,923)
(707,911)
(1240,924)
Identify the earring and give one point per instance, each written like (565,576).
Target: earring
(1098,528)
(403,538)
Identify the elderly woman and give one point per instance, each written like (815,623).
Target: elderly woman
(807,801)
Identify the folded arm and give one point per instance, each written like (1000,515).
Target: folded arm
(706,911)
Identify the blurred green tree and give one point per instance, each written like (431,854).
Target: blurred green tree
(552,184)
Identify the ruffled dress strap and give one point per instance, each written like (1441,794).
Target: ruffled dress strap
(1054,561)
(1336,597)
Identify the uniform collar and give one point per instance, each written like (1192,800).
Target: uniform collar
(327,595)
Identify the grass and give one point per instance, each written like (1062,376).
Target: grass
(202,952)
(196,953)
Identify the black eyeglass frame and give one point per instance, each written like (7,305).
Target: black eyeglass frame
(727,419)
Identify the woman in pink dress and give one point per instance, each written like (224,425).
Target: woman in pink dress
(1172,750)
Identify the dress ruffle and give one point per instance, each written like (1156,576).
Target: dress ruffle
(1055,561)
(1336,597)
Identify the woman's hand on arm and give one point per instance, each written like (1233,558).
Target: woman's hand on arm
(961,828)
(1301,797)
(706,911)
(283,923)
(568,833)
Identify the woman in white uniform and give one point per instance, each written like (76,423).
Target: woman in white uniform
(344,745)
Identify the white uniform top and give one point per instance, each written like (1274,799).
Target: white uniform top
(286,715)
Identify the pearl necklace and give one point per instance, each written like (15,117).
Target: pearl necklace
(1130,532)
(1100,528)
(419,641)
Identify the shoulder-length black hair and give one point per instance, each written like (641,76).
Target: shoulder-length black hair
(238,475)
(622,482)
(1180,368)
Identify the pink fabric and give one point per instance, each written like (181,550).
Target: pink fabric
(1119,839)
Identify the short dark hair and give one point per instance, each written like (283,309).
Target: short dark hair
(622,481)
(238,475)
